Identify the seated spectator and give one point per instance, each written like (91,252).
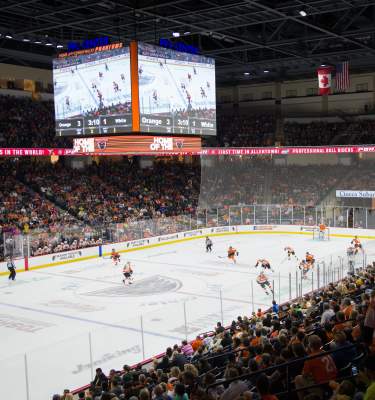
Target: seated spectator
(263,388)
(197,343)
(180,393)
(316,371)
(369,369)
(343,357)
(187,349)
(327,315)
(236,388)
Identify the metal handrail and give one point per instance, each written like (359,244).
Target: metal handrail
(279,366)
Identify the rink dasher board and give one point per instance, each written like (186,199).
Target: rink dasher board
(72,256)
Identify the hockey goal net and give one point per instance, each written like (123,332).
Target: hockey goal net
(319,234)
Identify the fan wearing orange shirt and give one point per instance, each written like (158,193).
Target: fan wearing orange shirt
(232,253)
(317,370)
(197,343)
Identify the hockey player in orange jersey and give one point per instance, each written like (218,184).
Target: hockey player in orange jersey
(115,257)
(232,253)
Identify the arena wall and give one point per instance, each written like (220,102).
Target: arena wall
(299,96)
(51,260)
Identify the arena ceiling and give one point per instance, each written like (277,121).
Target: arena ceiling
(250,40)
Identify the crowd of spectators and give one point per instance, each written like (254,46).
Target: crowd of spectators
(326,133)
(115,192)
(28,123)
(24,210)
(233,180)
(74,208)
(68,209)
(320,346)
(36,195)
(260,130)
(246,131)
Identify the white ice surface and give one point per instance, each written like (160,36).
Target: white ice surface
(48,314)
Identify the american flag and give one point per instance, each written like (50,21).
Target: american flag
(342,76)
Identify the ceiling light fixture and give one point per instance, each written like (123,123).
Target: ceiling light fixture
(303,13)
(176,34)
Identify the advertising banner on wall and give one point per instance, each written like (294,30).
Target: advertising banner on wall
(149,145)
(359,194)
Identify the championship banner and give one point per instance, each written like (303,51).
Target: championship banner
(138,145)
(325,80)
(359,194)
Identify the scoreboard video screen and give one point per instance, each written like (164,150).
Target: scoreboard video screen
(93,93)
(141,88)
(176,91)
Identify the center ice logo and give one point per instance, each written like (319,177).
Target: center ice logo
(162,143)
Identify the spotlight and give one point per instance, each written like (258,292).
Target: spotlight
(303,13)
(176,34)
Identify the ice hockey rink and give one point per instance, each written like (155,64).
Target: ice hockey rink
(65,321)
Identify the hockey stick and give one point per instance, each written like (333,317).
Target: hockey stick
(283,260)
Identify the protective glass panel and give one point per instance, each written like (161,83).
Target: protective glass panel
(13,244)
